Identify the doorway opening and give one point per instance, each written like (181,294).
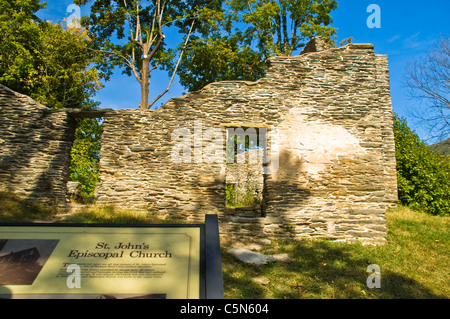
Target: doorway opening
(84,169)
(245,179)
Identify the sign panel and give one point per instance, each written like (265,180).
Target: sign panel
(61,261)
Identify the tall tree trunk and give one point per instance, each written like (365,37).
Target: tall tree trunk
(284,26)
(278,21)
(144,84)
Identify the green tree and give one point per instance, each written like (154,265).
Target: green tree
(423,176)
(19,33)
(239,36)
(130,34)
(53,66)
(44,61)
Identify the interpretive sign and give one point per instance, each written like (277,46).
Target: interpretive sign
(105,261)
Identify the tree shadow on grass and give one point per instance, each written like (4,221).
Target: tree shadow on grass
(237,278)
(398,286)
(14,209)
(320,269)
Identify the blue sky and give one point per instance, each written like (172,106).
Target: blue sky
(408,31)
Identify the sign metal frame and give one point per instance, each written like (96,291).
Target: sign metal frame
(210,277)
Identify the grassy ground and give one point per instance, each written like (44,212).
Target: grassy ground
(414,263)
(112,215)
(12,209)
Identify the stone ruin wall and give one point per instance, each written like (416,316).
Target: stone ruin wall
(336,174)
(332,169)
(35,145)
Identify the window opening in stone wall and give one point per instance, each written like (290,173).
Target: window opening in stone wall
(244,181)
(85,160)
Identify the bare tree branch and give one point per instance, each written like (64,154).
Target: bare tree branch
(153,28)
(138,25)
(429,82)
(154,68)
(160,35)
(176,66)
(133,69)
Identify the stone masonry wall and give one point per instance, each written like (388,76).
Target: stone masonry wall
(35,146)
(332,155)
(330,170)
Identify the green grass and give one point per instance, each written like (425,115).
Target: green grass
(414,263)
(113,215)
(13,209)
(235,199)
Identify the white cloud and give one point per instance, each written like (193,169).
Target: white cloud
(394,38)
(413,41)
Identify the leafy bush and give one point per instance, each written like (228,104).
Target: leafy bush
(423,176)
(238,197)
(85,165)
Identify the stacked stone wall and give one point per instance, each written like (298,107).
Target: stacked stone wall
(332,164)
(35,145)
(329,169)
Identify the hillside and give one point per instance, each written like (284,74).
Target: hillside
(442,147)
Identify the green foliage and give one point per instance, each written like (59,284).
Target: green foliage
(44,61)
(219,59)
(240,197)
(131,34)
(443,147)
(423,177)
(65,77)
(238,36)
(229,189)
(53,65)
(19,34)
(86,156)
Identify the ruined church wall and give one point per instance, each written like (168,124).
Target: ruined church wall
(331,146)
(35,146)
(332,169)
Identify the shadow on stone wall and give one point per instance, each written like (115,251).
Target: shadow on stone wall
(212,189)
(28,170)
(286,191)
(54,179)
(283,193)
(15,163)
